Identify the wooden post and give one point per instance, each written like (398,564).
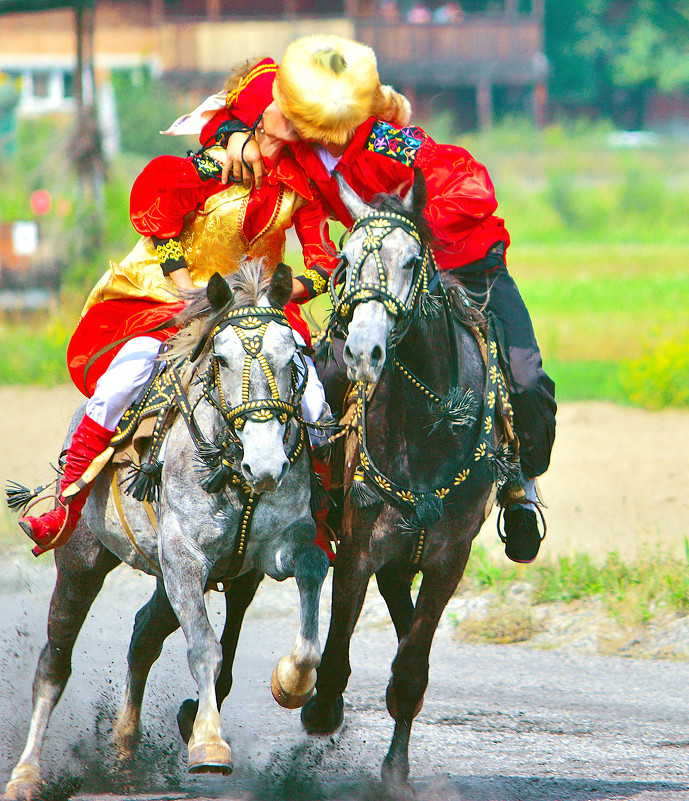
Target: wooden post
(79,72)
(484,105)
(213,10)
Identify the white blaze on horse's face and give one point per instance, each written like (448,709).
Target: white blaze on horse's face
(264,462)
(372,324)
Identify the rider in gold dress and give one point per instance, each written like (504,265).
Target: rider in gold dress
(192,225)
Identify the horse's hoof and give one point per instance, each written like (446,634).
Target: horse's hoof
(391,704)
(211,758)
(23,783)
(395,781)
(317,718)
(186,717)
(292,700)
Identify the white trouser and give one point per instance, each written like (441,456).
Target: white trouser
(119,385)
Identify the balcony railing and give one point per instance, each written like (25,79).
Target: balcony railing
(480,48)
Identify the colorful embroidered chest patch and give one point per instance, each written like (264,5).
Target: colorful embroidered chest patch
(401,144)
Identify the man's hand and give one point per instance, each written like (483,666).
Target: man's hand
(236,167)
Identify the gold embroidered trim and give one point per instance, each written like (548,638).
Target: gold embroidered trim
(170,251)
(319,283)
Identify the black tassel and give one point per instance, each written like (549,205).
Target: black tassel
(144,483)
(429,511)
(456,409)
(19,497)
(503,466)
(215,465)
(323,350)
(429,305)
(320,498)
(361,494)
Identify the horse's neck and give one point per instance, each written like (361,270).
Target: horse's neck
(402,439)
(428,350)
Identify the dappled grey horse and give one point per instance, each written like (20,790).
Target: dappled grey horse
(425,455)
(249,403)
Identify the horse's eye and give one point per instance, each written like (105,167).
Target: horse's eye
(222,361)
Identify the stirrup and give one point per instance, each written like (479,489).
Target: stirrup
(525,502)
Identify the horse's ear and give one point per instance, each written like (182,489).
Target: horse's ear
(355,205)
(218,292)
(415,201)
(280,289)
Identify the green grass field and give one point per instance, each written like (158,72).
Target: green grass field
(600,251)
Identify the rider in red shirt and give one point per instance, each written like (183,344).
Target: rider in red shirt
(328,89)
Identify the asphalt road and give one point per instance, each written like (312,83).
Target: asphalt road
(500,723)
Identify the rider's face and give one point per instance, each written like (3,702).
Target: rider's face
(276,125)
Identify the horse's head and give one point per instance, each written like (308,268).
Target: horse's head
(252,379)
(386,262)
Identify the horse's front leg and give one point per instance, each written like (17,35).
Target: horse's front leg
(295,675)
(409,677)
(352,571)
(82,565)
(238,595)
(185,571)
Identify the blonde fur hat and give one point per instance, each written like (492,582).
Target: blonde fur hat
(327,86)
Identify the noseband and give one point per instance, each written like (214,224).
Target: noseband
(376,227)
(250,325)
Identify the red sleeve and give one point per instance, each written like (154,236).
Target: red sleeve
(166,191)
(311,225)
(460,192)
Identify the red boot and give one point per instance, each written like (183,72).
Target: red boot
(323,531)
(54,528)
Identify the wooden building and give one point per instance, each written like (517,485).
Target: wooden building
(498,46)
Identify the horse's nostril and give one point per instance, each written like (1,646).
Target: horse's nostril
(376,354)
(247,469)
(283,472)
(348,355)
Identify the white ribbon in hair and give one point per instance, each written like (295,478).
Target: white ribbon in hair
(192,123)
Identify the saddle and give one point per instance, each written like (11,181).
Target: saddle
(140,434)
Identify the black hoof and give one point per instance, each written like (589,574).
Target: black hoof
(318,718)
(186,717)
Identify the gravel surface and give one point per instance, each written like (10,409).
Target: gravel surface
(499,723)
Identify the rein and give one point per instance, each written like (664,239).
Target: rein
(485,460)
(218,459)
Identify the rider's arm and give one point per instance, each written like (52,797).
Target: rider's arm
(460,192)
(311,226)
(165,192)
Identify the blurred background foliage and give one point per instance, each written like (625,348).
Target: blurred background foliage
(600,229)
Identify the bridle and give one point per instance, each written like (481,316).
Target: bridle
(376,226)
(250,325)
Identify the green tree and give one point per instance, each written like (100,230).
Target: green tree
(616,52)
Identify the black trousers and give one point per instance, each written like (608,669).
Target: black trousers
(532,391)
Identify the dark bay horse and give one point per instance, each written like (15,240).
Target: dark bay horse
(427,457)
(247,415)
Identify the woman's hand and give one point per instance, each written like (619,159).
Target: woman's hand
(182,278)
(235,165)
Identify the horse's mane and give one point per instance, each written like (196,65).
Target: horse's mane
(468,314)
(249,284)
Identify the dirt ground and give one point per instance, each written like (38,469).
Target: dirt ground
(618,478)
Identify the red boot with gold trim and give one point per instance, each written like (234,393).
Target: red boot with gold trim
(54,528)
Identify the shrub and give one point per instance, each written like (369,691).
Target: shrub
(660,378)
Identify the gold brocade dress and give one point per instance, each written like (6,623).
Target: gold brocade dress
(212,240)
